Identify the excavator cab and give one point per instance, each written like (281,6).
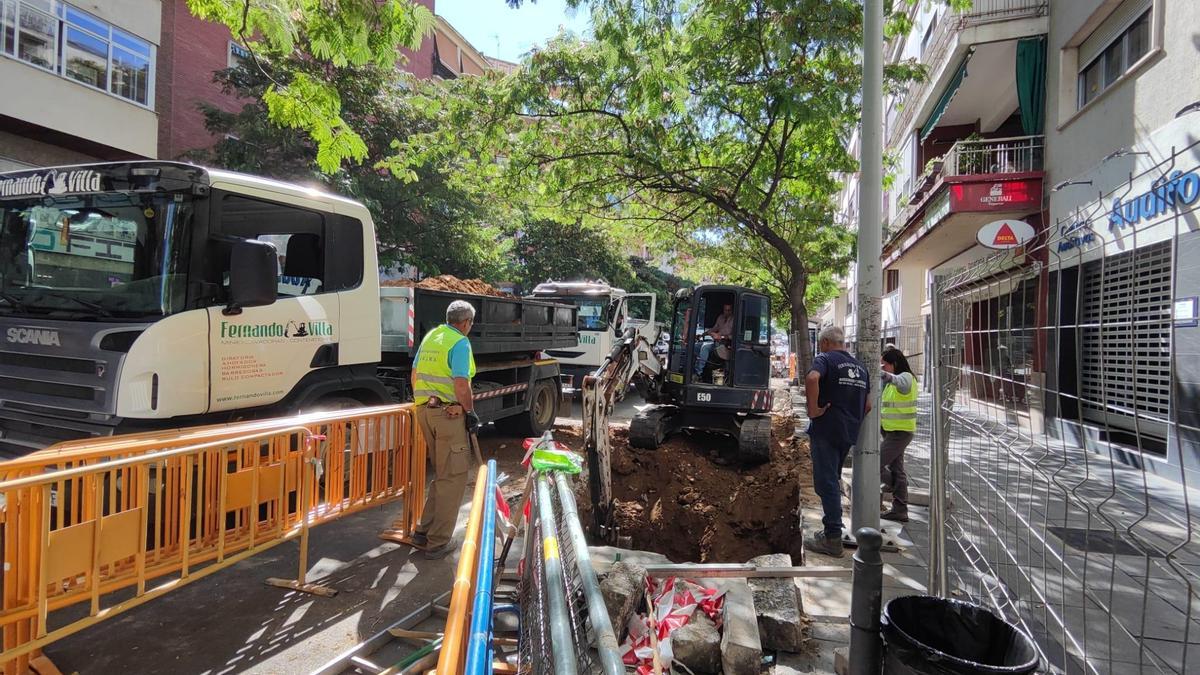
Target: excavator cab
(718,375)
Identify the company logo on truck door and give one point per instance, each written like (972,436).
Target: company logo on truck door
(292,329)
(34,336)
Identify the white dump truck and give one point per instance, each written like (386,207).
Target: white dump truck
(141,295)
(604,313)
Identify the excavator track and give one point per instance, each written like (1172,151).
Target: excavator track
(651,426)
(754,440)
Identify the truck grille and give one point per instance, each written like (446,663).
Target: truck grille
(56,363)
(70,391)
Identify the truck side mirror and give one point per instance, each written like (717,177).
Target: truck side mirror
(252,275)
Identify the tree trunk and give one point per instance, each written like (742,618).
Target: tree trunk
(796,292)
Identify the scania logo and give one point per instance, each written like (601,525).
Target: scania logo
(34,336)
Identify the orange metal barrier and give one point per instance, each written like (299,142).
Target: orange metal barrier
(84,520)
(454,640)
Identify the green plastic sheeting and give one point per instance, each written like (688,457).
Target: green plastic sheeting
(1031,84)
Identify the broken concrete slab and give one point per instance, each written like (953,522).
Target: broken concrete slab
(778,605)
(697,645)
(623,588)
(741,647)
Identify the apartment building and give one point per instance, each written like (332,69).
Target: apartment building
(1123,265)
(79,81)
(968,145)
(193,50)
(1080,118)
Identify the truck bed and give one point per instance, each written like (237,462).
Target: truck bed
(503,325)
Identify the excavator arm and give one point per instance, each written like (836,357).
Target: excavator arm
(631,361)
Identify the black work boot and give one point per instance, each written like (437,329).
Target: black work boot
(820,543)
(896,516)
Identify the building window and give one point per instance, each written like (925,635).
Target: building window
(1111,51)
(933,22)
(76,45)
(891,281)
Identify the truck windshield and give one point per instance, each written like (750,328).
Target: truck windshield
(100,254)
(593,311)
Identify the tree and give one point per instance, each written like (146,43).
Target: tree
(428,220)
(331,33)
(719,126)
(547,250)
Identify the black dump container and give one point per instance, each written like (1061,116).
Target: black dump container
(929,635)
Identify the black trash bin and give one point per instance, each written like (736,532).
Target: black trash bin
(929,635)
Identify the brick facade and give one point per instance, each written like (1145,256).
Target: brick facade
(191,51)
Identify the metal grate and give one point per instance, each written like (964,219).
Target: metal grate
(1125,322)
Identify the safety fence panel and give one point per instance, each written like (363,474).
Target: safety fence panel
(111,524)
(564,624)
(1053,433)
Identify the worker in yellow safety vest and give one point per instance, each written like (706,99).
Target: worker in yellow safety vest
(445,409)
(898,417)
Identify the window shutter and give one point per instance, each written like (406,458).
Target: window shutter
(1108,31)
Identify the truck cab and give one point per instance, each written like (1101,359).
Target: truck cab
(604,313)
(139,292)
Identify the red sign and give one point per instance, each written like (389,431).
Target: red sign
(1004,237)
(998,195)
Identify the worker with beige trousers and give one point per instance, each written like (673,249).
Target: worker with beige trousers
(445,410)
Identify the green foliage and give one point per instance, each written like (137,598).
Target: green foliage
(331,33)
(427,220)
(718,128)
(547,250)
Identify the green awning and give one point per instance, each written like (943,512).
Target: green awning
(947,96)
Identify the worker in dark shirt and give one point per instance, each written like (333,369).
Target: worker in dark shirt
(836,389)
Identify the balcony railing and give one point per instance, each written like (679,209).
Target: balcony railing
(936,51)
(1019,154)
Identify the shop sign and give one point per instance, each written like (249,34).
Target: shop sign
(1011,195)
(1005,234)
(1167,194)
(1075,234)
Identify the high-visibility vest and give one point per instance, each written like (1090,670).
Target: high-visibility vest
(899,410)
(433,374)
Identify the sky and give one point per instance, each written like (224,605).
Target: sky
(483,22)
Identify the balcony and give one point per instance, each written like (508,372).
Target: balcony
(943,42)
(981,179)
(1017,154)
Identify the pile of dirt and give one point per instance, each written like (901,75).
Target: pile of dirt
(679,501)
(451,283)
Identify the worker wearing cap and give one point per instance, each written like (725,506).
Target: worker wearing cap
(445,409)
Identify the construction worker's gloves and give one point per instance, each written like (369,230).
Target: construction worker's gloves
(472,422)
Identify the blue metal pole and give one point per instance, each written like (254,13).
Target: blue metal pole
(479,648)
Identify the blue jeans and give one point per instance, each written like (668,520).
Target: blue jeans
(705,351)
(827,459)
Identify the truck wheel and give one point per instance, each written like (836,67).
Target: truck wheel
(754,440)
(650,427)
(543,409)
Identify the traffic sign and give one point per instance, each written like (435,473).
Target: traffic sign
(1005,234)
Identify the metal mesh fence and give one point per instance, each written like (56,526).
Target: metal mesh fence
(535,644)
(1066,458)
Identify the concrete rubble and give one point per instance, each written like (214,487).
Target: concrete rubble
(623,589)
(779,607)
(698,645)
(741,648)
